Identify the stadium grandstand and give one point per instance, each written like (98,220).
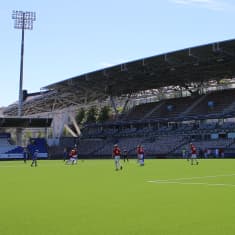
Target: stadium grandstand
(162,102)
(12,147)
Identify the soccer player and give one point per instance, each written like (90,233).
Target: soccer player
(138,153)
(65,153)
(34,158)
(193,154)
(25,155)
(73,156)
(125,157)
(141,155)
(116,155)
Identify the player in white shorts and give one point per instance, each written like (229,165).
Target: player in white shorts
(116,155)
(193,154)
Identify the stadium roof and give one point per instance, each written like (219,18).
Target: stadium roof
(201,64)
(12,122)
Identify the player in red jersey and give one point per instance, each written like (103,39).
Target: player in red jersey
(116,155)
(138,153)
(73,156)
(193,154)
(141,155)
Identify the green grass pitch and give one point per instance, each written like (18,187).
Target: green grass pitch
(165,197)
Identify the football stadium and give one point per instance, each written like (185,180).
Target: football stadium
(157,114)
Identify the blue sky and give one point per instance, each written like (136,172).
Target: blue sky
(73,37)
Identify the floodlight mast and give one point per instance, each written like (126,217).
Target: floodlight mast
(23,20)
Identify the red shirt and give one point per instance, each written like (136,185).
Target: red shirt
(140,150)
(73,153)
(193,149)
(116,151)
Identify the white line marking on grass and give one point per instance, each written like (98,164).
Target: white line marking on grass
(11,166)
(177,181)
(28,166)
(195,183)
(192,178)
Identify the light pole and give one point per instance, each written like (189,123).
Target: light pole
(23,20)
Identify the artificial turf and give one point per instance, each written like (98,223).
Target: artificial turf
(164,197)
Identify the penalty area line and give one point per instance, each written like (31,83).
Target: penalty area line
(192,178)
(187,183)
(179,180)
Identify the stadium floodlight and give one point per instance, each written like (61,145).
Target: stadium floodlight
(23,20)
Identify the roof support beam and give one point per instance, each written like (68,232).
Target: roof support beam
(70,130)
(113,104)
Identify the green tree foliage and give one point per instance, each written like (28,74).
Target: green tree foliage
(40,134)
(80,116)
(26,137)
(119,109)
(104,114)
(92,115)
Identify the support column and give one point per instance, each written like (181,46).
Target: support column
(19,136)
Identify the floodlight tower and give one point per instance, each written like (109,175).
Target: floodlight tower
(23,20)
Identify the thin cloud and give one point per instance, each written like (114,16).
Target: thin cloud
(215,5)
